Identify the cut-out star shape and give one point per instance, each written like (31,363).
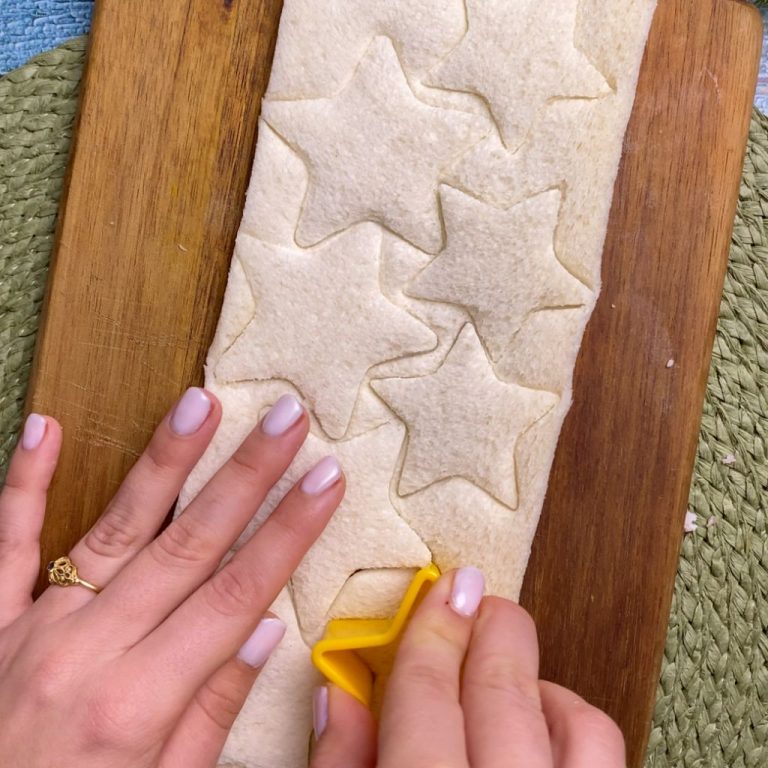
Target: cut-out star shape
(518,57)
(500,264)
(365,532)
(326,41)
(374,152)
(463,421)
(321,321)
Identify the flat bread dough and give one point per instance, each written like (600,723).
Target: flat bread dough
(418,258)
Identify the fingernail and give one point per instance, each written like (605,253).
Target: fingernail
(322,476)
(34,431)
(259,646)
(282,416)
(467,591)
(320,710)
(190,412)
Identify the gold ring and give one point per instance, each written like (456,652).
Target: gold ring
(63,573)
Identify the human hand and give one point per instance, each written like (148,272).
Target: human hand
(465,691)
(153,670)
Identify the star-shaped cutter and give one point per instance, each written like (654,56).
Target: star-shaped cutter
(336,654)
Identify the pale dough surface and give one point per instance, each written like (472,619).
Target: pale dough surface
(418,257)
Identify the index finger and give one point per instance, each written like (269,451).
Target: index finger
(421,721)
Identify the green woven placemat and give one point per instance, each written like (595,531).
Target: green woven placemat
(37,109)
(712,708)
(712,705)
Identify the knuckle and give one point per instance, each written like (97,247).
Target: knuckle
(220,702)
(247,466)
(115,533)
(184,542)
(499,672)
(13,542)
(49,677)
(235,590)
(432,680)
(287,533)
(110,720)
(159,459)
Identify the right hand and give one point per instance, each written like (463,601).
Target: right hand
(465,691)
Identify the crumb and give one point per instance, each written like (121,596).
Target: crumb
(728,460)
(182,248)
(613,306)
(711,520)
(671,362)
(690,522)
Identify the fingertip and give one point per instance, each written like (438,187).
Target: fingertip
(494,610)
(190,412)
(467,591)
(325,474)
(39,444)
(344,730)
(262,642)
(34,431)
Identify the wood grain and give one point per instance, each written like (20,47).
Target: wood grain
(155,192)
(600,580)
(157,179)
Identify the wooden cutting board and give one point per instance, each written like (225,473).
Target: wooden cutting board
(155,190)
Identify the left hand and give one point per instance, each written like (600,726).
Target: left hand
(152,671)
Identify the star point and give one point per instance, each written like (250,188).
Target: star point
(518,57)
(326,350)
(375,152)
(463,421)
(500,264)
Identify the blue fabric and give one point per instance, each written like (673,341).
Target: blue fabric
(761,98)
(29,27)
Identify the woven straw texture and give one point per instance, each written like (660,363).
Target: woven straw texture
(37,109)
(712,705)
(712,708)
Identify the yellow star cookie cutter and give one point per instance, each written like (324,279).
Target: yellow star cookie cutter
(350,648)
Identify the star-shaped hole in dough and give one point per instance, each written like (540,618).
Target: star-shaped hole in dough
(463,421)
(366,530)
(500,264)
(518,56)
(374,152)
(321,321)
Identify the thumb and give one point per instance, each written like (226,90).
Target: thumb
(345,731)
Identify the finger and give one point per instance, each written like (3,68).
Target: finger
(345,731)
(198,738)
(211,624)
(188,551)
(22,509)
(421,720)
(142,502)
(582,736)
(500,692)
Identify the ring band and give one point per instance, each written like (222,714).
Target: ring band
(63,573)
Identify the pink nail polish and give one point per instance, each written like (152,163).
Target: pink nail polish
(34,431)
(467,591)
(322,476)
(320,710)
(282,416)
(259,646)
(190,412)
